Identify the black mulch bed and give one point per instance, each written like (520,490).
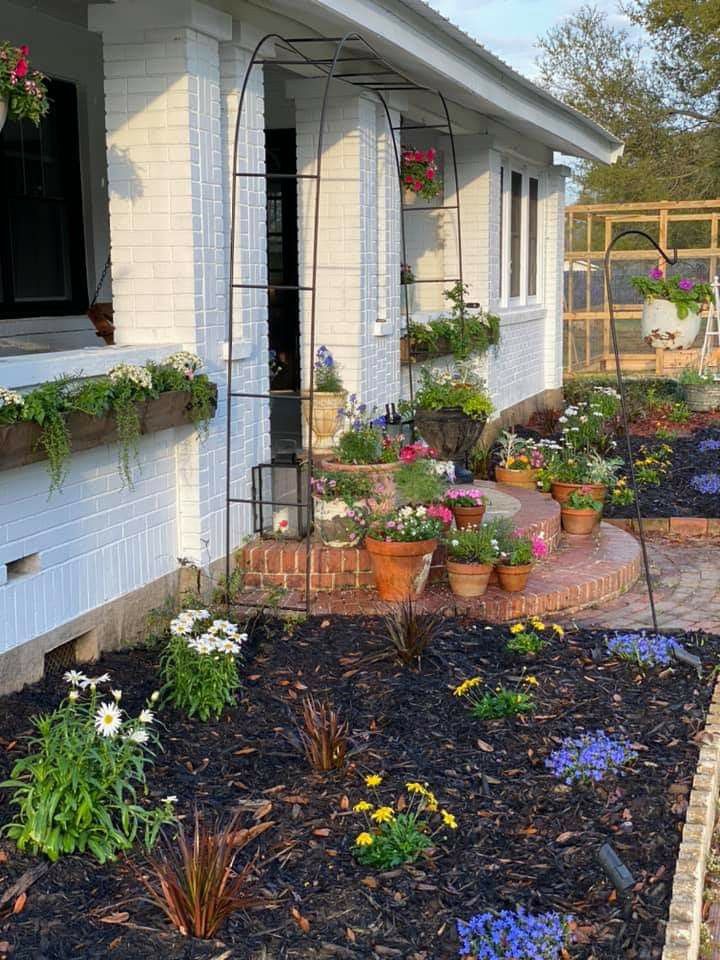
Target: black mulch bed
(523,838)
(675,497)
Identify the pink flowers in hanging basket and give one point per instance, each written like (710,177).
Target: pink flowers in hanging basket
(420,173)
(23,88)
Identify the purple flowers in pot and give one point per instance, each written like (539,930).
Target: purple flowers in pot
(589,758)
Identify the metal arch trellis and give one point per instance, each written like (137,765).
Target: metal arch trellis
(393,80)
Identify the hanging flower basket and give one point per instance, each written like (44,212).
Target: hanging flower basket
(420,173)
(23,94)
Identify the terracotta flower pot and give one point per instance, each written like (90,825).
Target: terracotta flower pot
(579,522)
(326,417)
(469,579)
(401,569)
(561,491)
(513,579)
(381,475)
(468,516)
(527,479)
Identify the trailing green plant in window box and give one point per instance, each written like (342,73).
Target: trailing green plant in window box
(460,332)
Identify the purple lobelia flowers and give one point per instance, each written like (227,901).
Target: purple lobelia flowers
(706,483)
(589,758)
(513,935)
(707,446)
(647,650)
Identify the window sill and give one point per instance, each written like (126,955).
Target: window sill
(520,314)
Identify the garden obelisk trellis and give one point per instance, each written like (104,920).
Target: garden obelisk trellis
(379,82)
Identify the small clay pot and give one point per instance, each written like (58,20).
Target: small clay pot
(561,491)
(469,579)
(468,516)
(513,579)
(526,479)
(401,569)
(579,522)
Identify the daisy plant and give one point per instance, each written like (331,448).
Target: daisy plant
(529,637)
(199,663)
(498,703)
(399,833)
(80,786)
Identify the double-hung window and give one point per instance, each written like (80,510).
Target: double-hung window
(519,282)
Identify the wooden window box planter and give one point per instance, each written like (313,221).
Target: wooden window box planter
(19,441)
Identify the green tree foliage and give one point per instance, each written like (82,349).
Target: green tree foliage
(656,88)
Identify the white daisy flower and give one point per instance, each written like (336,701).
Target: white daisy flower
(146,716)
(117,695)
(139,736)
(154,696)
(108,720)
(228,646)
(74,677)
(94,681)
(74,695)
(171,798)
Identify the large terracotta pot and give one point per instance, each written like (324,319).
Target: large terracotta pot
(468,579)
(561,491)
(468,516)
(663,329)
(3,112)
(326,417)
(449,431)
(579,522)
(332,525)
(401,569)
(526,479)
(513,579)
(381,475)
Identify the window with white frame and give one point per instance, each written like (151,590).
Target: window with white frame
(520,213)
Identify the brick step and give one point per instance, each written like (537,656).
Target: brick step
(582,572)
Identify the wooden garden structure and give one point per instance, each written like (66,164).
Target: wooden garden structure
(693,227)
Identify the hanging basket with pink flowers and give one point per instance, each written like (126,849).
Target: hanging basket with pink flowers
(419,172)
(23,94)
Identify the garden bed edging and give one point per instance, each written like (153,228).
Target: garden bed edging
(684,528)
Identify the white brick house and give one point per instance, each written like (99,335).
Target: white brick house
(150,177)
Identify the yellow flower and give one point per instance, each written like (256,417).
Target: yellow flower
(383,815)
(517,628)
(558,630)
(538,624)
(362,806)
(414,787)
(533,681)
(373,780)
(431,801)
(466,685)
(449,820)
(364,840)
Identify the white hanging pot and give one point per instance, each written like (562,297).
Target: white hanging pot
(663,329)
(3,111)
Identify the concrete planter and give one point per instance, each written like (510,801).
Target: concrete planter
(449,431)
(702,397)
(332,525)
(326,417)
(663,329)
(19,442)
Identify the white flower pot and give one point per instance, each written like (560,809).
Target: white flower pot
(662,328)
(332,525)
(3,112)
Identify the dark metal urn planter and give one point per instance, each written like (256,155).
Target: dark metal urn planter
(450,431)
(19,442)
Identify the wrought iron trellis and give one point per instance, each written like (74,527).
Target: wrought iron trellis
(379,82)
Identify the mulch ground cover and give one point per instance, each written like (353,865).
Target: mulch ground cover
(675,496)
(523,837)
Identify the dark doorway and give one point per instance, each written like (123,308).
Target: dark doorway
(283,305)
(42,247)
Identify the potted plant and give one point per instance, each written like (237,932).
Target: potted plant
(671,309)
(573,471)
(451,409)
(468,505)
(340,502)
(520,461)
(581,512)
(459,332)
(702,390)
(472,555)
(23,94)
(401,545)
(517,556)
(328,399)
(419,172)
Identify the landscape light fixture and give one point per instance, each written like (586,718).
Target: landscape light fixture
(617,872)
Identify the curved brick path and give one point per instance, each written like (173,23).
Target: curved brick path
(686,579)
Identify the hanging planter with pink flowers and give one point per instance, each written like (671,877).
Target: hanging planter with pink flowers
(23,94)
(419,172)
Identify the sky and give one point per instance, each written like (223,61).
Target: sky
(509,28)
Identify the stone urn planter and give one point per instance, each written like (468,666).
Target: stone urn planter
(662,329)
(449,431)
(326,417)
(401,569)
(702,397)
(525,479)
(381,475)
(561,491)
(513,579)
(579,522)
(332,524)
(3,111)
(469,579)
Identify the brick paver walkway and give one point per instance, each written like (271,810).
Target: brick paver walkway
(686,579)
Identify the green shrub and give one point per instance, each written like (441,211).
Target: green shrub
(417,482)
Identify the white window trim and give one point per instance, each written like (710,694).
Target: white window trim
(505,301)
